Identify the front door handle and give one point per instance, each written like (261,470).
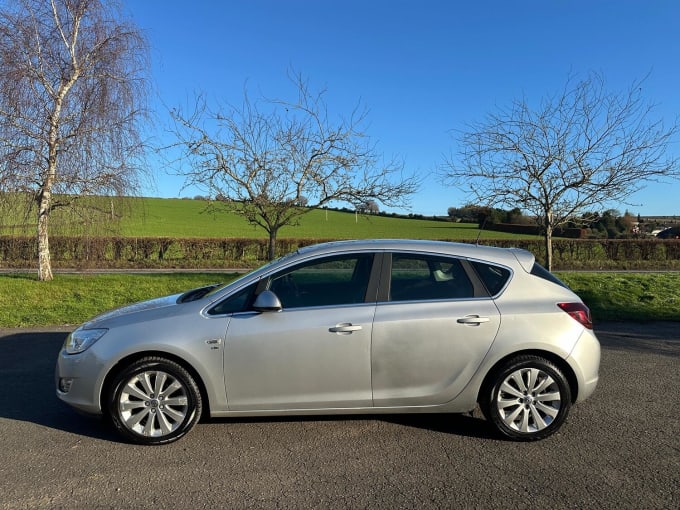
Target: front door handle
(472,319)
(345,328)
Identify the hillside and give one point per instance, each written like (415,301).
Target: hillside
(152,217)
(188,218)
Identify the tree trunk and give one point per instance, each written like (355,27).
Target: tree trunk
(45,196)
(272,244)
(548,247)
(44,261)
(44,208)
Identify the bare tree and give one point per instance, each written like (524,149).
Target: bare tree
(74,89)
(277,160)
(580,150)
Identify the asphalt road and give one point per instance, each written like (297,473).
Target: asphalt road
(620,449)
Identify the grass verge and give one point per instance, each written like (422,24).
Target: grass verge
(75,298)
(72,299)
(628,296)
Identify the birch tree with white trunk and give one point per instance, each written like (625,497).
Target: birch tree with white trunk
(73,92)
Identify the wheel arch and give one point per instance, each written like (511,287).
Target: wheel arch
(132,358)
(557,360)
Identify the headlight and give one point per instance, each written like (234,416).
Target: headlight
(82,339)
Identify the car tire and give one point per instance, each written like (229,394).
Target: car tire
(527,398)
(154,401)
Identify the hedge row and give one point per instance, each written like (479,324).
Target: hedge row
(124,252)
(515,228)
(164,252)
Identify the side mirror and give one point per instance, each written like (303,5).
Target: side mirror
(267,301)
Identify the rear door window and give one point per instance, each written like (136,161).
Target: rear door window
(428,277)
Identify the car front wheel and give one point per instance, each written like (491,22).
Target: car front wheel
(527,399)
(154,401)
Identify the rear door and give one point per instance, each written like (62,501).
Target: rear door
(433,326)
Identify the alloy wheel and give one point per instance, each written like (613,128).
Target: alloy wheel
(528,400)
(153,403)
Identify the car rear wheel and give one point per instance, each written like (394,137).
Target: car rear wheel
(527,399)
(154,401)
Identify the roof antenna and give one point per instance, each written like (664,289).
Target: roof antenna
(481,227)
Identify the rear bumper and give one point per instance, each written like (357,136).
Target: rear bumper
(585,360)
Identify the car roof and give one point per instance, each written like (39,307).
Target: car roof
(510,256)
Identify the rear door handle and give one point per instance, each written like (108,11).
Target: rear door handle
(345,328)
(473,319)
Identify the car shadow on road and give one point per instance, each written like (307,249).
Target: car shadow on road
(468,424)
(27,378)
(454,424)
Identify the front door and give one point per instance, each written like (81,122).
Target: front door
(313,354)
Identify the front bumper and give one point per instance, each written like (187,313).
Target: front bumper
(77,381)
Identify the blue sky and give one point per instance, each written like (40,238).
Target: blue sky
(422,68)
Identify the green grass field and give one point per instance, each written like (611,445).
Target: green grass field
(153,217)
(75,298)
(166,217)
(72,299)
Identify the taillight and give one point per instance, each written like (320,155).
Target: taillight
(578,312)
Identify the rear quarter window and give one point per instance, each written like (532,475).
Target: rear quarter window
(493,277)
(541,272)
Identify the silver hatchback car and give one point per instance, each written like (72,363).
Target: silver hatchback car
(351,327)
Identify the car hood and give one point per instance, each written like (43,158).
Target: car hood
(142,306)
